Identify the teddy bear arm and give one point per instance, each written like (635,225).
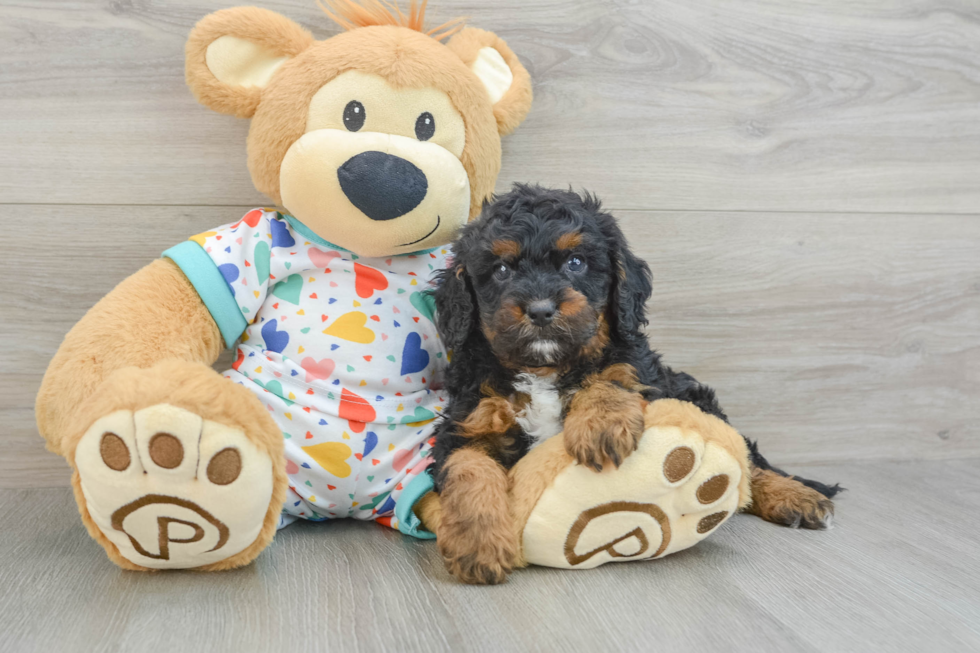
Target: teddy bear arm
(154,315)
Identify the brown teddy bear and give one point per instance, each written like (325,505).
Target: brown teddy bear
(378,144)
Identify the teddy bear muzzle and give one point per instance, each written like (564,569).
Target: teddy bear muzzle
(373,193)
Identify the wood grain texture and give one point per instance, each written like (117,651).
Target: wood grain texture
(802,178)
(828,337)
(897,573)
(756,105)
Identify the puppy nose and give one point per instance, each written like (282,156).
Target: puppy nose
(382,186)
(541,312)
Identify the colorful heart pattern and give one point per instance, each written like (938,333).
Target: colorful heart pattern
(317,370)
(321,259)
(274,339)
(350,326)
(356,410)
(424,303)
(414,357)
(289,289)
(420,417)
(261,257)
(331,456)
(343,352)
(368,280)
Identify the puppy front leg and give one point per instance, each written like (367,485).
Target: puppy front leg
(605,418)
(476,535)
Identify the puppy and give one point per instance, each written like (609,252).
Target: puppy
(543,309)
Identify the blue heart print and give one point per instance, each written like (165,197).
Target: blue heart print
(230,272)
(388,506)
(414,358)
(280,234)
(274,340)
(370,442)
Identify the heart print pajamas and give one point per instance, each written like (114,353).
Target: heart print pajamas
(342,350)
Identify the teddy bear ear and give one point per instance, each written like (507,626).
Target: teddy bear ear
(232,54)
(506,80)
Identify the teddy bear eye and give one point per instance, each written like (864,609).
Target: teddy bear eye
(425,126)
(354,116)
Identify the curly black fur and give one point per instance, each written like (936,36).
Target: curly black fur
(489,351)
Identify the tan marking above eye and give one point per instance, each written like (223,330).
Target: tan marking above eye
(569,240)
(166,450)
(678,464)
(225,466)
(713,489)
(114,452)
(508,248)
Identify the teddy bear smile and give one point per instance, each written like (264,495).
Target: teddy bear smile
(438,222)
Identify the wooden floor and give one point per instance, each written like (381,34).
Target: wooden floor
(899,573)
(804,179)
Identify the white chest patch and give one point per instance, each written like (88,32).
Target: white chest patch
(541,417)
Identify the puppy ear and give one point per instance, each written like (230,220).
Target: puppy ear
(232,54)
(507,81)
(632,281)
(455,306)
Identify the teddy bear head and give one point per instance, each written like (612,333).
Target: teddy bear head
(382,139)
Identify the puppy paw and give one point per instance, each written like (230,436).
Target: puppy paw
(476,556)
(784,500)
(603,426)
(476,534)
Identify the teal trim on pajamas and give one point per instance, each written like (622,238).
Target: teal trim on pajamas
(211,286)
(408,521)
(308,234)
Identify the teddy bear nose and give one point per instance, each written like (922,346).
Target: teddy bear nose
(382,186)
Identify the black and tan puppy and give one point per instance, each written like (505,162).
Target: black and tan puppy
(543,309)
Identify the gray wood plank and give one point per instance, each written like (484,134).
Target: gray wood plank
(757,105)
(828,337)
(899,572)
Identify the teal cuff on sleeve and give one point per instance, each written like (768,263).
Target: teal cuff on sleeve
(408,522)
(204,275)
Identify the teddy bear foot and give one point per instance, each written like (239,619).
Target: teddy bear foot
(171,490)
(688,475)
(177,468)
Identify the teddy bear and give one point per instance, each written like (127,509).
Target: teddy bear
(376,145)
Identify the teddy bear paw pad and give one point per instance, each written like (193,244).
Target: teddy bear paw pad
(171,490)
(672,492)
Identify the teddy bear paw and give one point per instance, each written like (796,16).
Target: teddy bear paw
(172,490)
(676,489)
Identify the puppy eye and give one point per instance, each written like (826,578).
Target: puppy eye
(425,126)
(354,116)
(501,272)
(575,264)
